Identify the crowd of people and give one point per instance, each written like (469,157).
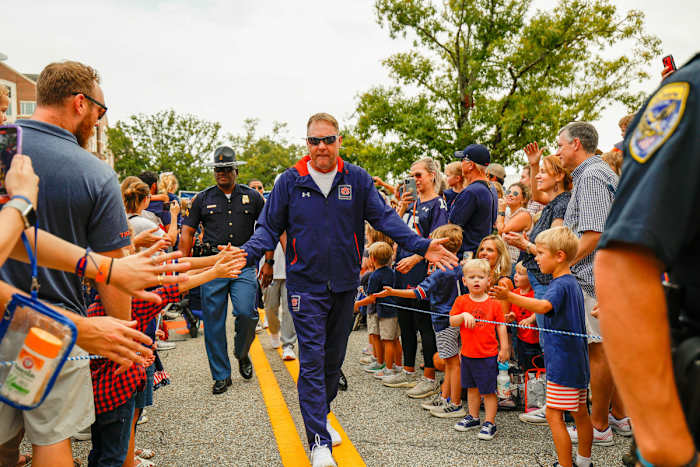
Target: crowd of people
(489,277)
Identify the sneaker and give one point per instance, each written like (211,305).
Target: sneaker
(368,350)
(258,328)
(621,427)
(335,436)
(435,402)
(449,410)
(321,456)
(163,345)
(288,353)
(385,373)
(423,389)
(401,379)
(600,438)
(487,432)
(467,423)
(275,341)
(535,417)
(376,366)
(143,418)
(367,360)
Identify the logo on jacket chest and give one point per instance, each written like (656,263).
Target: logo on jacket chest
(306,194)
(345,192)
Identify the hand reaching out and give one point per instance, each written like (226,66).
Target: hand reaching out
(384,293)
(499,292)
(533,153)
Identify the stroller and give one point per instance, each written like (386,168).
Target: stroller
(190,307)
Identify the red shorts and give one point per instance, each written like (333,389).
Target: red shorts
(565,398)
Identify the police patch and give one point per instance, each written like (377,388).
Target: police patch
(295,302)
(345,192)
(661,116)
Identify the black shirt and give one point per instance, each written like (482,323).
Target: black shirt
(555,209)
(225,220)
(657,205)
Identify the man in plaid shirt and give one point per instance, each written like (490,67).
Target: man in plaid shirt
(591,198)
(115,392)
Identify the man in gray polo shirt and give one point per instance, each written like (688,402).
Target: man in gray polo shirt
(79,201)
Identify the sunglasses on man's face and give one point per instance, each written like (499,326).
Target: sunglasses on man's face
(223,169)
(103,108)
(327,140)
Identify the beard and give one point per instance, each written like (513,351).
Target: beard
(84,132)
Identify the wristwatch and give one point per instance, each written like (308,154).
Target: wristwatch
(271,262)
(25,208)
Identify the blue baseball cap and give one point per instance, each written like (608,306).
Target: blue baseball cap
(476,153)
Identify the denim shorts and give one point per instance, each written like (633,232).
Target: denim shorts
(480,373)
(145,398)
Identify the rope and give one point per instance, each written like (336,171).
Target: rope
(76,357)
(533,328)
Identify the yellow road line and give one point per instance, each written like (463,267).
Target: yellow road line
(289,444)
(346,454)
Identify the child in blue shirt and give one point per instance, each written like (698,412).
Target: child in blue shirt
(566,365)
(442,289)
(380,254)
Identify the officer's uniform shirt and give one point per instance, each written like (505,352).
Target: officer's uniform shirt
(657,203)
(225,220)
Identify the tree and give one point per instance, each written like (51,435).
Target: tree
(166,142)
(265,156)
(494,72)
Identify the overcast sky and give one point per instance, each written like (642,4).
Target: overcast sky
(278,60)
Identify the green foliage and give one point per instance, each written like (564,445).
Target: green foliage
(166,142)
(266,156)
(497,73)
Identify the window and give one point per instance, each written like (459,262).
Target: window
(26,107)
(11,110)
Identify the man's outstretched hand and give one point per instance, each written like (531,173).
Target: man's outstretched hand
(438,254)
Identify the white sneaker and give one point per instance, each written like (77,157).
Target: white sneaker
(367,360)
(275,341)
(335,436)
(424,388)
(600,438)
(288,354)
(622,427)
(321,456)
(535,417)
(163,345)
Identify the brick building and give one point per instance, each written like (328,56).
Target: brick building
(23,102)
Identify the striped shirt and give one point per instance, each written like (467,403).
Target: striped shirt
(593,194)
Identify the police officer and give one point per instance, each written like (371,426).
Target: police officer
(322,203)
(654,227)
(227,213)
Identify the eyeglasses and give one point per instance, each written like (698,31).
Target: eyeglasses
(223,169)
(314,141)
(96,102)
(513,193)
(417,175)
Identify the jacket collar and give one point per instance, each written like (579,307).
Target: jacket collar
(304,170)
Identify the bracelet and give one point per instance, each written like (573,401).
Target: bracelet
(23,198)
(102,271)
(109,274)
(81,265)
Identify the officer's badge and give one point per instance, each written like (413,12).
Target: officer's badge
(662,115)
(345,192)
(245,199)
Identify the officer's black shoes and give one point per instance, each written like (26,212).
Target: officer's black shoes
(221,385)
(245,366)
(342,382)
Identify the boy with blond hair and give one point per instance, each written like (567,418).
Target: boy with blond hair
(481,351)
(380,255)
(442,288)
(567,365)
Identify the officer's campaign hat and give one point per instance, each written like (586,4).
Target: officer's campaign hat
(224,156)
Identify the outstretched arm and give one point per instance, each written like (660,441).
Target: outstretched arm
(533,304)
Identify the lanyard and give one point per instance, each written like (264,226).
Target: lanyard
(33,259)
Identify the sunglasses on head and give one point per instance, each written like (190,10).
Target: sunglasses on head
(315,141)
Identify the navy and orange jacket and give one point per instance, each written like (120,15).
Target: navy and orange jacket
(325,236)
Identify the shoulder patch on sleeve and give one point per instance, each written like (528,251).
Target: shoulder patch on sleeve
(661,117)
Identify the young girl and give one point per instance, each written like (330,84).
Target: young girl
(528,340)
(480,349)
(518,220)
(455,181)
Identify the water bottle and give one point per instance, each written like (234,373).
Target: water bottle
(503,381)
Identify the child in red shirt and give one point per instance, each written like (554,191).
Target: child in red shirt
(528,341)
(480,348)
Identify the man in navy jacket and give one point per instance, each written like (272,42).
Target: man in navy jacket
(322,203)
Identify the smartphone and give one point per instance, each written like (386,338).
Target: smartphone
(166,206)
(669,63)
(411,188)
(10,144)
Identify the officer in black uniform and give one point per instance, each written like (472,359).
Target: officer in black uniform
(227,213)
(654,227)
